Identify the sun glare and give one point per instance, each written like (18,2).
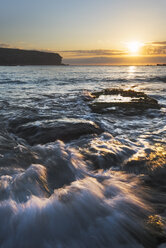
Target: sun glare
(134,47)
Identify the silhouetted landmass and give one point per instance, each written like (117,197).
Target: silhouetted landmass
(10,56)
(161,64)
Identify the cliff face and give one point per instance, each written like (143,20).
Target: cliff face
(9,56)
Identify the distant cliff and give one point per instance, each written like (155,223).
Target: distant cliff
(10,56)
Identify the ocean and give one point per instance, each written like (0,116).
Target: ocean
(74,178)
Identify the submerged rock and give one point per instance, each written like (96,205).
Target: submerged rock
(43,133)
(109,100)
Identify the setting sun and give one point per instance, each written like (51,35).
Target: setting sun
(134,47)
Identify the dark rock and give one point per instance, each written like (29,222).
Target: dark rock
(9,56)
(14,153)
(103,151)
(49,132)
(130,100)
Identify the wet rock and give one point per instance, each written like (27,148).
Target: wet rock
(14,154)
(156,226)
(162,246)
(150,161)
(129,101)
(104,151)
(88,96)
(43,133)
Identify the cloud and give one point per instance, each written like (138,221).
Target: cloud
(153,50)
(120,60)
(90,53)
(150,53)
(17,45)
(4,45)
(159,43)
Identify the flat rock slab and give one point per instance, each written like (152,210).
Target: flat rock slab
(109,100)
(43,133)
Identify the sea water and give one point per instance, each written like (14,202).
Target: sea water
(70,177)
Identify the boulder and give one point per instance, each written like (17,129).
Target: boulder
(46,132)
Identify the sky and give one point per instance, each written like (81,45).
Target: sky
(87,31)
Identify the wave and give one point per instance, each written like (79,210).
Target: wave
(156,79)
(75,194)
(13,82)
(79,80)
(72,178)
(87,213)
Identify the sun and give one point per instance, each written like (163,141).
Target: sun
(134,47)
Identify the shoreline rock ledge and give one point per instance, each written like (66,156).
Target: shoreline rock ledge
(14,57)
(129,101)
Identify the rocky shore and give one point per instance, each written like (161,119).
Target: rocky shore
(109,100)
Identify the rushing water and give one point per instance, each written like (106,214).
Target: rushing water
(71,178)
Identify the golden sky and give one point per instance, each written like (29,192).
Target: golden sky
(89,31)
